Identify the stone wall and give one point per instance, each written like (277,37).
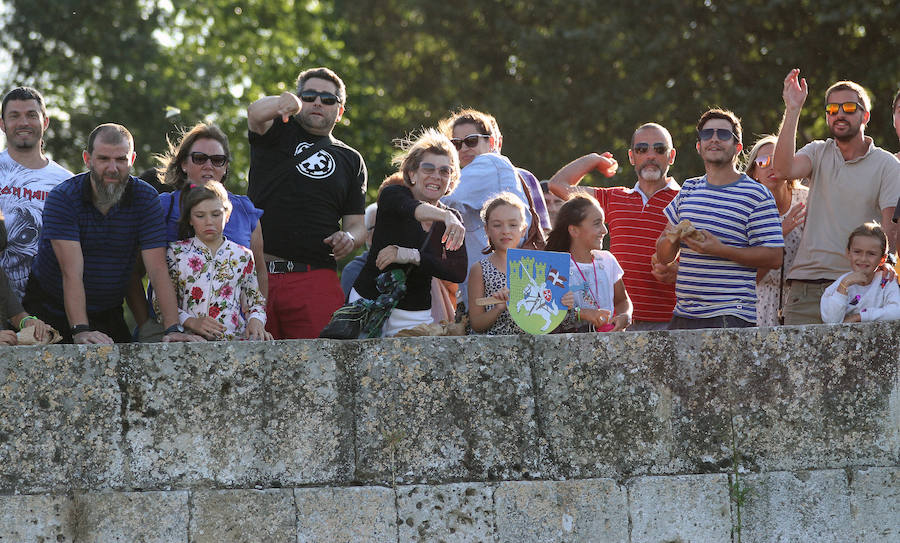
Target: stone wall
(625,437)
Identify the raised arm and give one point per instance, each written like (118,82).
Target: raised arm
(788,164)
(261,113)
(564,183)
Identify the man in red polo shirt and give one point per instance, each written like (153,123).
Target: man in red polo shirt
(635,218)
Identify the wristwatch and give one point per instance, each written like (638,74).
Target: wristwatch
(174,328)
(79,328)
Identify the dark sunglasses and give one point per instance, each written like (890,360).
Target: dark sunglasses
(848,107)
(217,160)
(428,169)
(763,161)
(328,99)
(471,140)
(660,148)
(722,134)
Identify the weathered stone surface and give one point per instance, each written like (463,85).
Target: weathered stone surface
(148,517)
(460,512)
(36,518)
(445,408)
(816,396)
(797,506)
(684,508)
(334,515)
(618,405)
(583,510)
(255,413)
(59,421)
(875,504)
(243,516)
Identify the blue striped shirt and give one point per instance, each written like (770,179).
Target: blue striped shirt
(740,214)
(110,243)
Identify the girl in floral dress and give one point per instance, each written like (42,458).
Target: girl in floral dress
(214,277)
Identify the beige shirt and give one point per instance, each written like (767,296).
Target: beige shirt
(843,195)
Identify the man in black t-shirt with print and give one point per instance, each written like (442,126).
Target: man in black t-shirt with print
(313,200)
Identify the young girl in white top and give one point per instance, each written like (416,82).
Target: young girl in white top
(597,299)
(214,277)
(504,223)
(863,295)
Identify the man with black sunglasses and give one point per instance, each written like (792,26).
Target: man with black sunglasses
(851,180)
(738,230)
(635,217)
(312,189)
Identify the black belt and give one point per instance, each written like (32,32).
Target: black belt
(813,281)
(288,266)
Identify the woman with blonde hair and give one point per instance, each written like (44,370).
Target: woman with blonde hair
(790,198)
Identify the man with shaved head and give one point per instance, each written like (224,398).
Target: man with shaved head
(635,218)
(95,225)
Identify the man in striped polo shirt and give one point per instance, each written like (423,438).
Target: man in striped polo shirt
(738,231)
(635,217)
(95,225)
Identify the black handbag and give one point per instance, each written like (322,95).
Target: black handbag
(345,323)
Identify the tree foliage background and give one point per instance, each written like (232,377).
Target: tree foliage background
(562,77)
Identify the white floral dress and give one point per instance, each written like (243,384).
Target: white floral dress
(767,289)
(215,285)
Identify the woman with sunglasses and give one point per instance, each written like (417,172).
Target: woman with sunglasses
(416,233)
(202,157)
(790,198)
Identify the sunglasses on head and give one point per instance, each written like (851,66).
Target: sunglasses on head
(217,160)
(471,140)
(722,134)
(660,148)
(763,161)
(428,169)
(328,98)
(848,107)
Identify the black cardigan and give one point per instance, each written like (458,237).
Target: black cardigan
(395,224)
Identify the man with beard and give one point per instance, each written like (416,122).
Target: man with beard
(26,177)
(851,182)
(95,224)
(725,225)
(635,217)
(312,188)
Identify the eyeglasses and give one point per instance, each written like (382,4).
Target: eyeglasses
(848,107)
(328,98)
(217,160)
(428,169)
(722,134)
(471,140)
(660,148)
(763,161)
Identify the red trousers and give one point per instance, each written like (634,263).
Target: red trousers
(301,303)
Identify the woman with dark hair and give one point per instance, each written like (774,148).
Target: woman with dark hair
(413,230)
(202,157)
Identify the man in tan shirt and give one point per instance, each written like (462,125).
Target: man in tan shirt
(852,181)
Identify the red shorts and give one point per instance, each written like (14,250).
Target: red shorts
(301,303)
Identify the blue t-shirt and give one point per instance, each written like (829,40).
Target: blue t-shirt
(240,225)
(110,243)
(740,214)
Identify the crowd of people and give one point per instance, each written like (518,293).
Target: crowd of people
(785,236)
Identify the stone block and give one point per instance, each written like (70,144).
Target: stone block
(255,414)
(797,506)
(459,512)
(585,510)
(684,508)
(243,516)
(816,396)
(59,424)
(149,517)
(442,408)
(362,514)
(875,504)
(36,518)
(616,405)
